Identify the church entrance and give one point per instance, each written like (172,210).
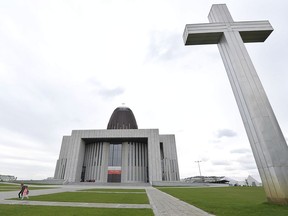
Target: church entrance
(115,161)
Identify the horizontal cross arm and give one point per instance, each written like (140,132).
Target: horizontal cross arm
(210,33)
(253,31)
(198,34)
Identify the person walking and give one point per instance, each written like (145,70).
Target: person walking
(20,194)
(25,192)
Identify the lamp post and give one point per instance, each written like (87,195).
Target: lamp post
(199,166)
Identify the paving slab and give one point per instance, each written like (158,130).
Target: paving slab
(166,205)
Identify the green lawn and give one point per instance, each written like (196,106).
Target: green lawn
(137,196)
(16,187)
(5,185)
(9,187)
(123,198)
(227,201)
(115,190)
(25,210)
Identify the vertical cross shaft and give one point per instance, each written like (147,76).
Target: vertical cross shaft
(266,139)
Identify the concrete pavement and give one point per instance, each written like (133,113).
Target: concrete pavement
(166,205)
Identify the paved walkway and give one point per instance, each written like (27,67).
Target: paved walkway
(166,205)
(161,203)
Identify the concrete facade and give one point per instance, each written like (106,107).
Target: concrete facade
(266,139)
(141,156)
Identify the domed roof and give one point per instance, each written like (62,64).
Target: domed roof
(122,118)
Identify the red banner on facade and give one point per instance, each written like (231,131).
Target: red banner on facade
(118,172)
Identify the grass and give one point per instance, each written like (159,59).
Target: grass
(224,201)
(5,185)
(16,187)
(25,210)
(87,197)
(38,183)
(9,187)
(115,190)
(123,198)
(227,201)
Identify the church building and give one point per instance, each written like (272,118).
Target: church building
(122,153)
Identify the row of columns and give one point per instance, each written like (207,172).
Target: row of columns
(60,168)
(137,162)
(95,162)
(169,172)
(134,162)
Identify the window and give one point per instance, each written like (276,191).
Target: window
(115,153)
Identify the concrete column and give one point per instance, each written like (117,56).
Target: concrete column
(154,159)
(124,174)
(105,159)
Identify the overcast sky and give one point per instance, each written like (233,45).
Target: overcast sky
(67,65)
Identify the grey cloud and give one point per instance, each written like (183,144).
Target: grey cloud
(216,141)
(97,87)
(110,93)
(204,159)
(221,162)
(246,162)
(248,158)
(240,151)
(230,168)
(225,133)
(249,166)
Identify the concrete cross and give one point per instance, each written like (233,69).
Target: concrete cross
(266,139)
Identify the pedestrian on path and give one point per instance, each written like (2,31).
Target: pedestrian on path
(25,192)
(20,194)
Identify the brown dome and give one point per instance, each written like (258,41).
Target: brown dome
(122,118)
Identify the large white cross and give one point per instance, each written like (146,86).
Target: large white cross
(266,139)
